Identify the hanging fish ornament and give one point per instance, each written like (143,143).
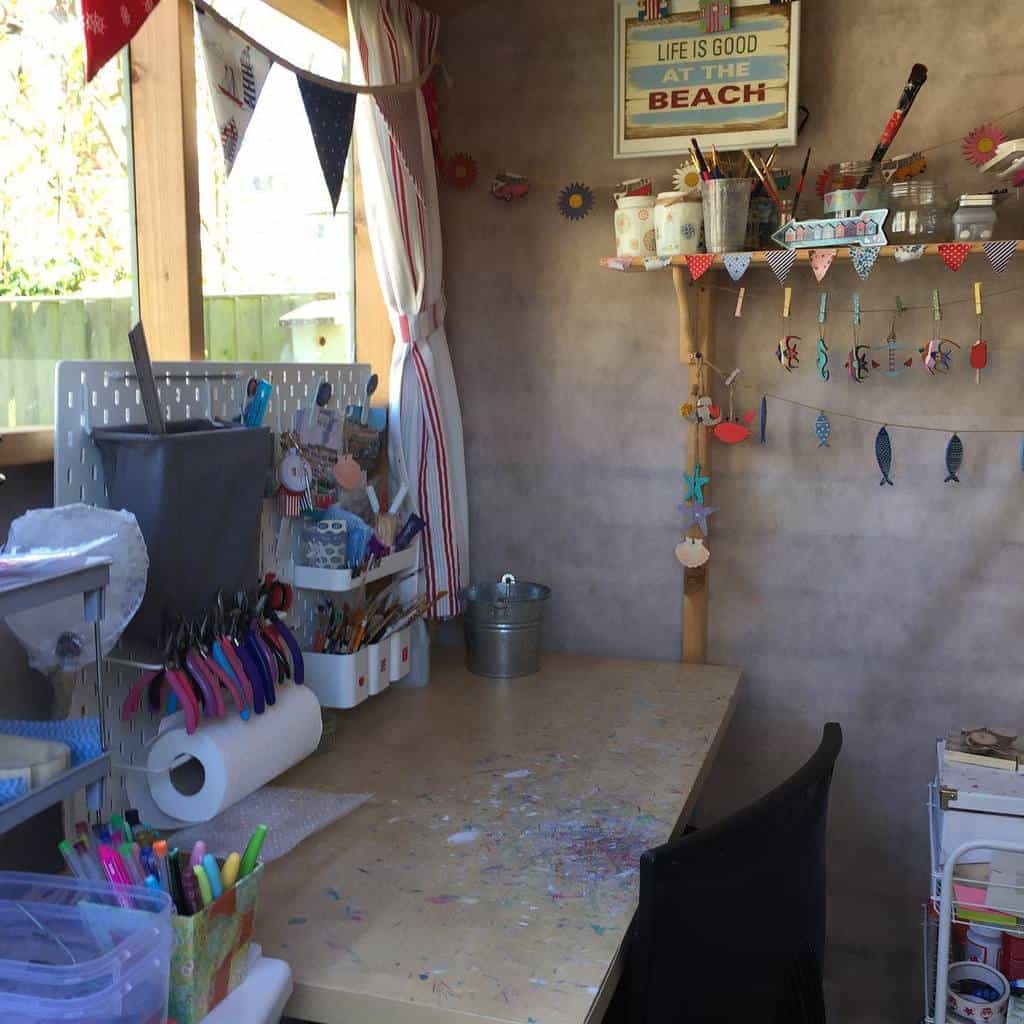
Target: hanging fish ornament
(823,370)
(786,352)
(857,364)
(894,365)
(979,358)
(764,425)
(822,430)
(883,453)
(954,458)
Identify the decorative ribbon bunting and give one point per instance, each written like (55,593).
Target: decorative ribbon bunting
(863,258)
(236,72)
(699,262)
(999,254)
(953,254)
(908,253)
(781,262)
(330,116)
(736,263)
(821,260)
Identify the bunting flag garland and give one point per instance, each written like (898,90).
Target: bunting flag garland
(999,254)
(781,262)
(863,258)
(110,25)
(953,254)
(821,260)
(330,116)
(699,262)
(908,253)
(401,114)
(736,263)
(236,72)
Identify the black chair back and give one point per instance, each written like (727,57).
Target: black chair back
(731,921)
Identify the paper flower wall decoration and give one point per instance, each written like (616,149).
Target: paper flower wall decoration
(980,145)
(575,201)
(460,171)
(686,178)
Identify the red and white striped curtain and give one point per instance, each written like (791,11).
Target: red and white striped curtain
(395,41)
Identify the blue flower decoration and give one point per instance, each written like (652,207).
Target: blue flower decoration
(575,201)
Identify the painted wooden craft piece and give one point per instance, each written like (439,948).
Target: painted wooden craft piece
(702,412)
(937,354)
(954,458)
(575,201)
(822,430)
(883,454)
(823,371)
(979,358)
(509,186)
(652,10)
(764,419)
(786,352)
(894,364)
(697,515)
(863,230)
(695,484)
(858,364)
(715,15)
(735,431)
(692,552)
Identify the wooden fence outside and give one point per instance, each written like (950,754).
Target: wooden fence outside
(36,332)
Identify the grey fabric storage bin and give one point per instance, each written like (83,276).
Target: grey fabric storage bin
(196,493)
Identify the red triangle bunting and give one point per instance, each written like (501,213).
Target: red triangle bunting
(954,253)
(699,262)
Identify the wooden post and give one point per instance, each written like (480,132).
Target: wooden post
(698,449)
(163,89)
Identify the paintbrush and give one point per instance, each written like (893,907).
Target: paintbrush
(918,76)
(800,183)
(770,189)
(701,163)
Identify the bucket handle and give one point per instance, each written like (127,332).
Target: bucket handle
(499,607)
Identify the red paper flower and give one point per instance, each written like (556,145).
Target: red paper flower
(460,170)
(980,145)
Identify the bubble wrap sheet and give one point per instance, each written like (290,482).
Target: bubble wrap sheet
(291,815)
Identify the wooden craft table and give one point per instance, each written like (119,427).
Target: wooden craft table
(494,873)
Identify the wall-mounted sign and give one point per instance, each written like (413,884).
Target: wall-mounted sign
(675,80)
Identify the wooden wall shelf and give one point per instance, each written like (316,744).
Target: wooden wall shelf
(760,258)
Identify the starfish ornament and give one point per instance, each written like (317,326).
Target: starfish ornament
(695,484)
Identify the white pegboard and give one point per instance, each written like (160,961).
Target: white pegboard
(97,394)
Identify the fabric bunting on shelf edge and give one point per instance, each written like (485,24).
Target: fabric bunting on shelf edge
(108,26)
(821,260)
(401,114)
(863,258)
(736,263)
(699,262)
(907,253)
(781,262)
(656,262)
(330,115)
(953,254)
(236,72)
(999,254)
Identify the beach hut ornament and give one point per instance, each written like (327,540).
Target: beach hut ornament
(652,10)
(715,15)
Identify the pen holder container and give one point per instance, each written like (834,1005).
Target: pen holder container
(339,680)
(398,656)
(210,957)
(726,207)
(196,493)
(378,655)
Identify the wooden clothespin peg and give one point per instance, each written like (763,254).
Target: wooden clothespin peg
(900,308)
(739,302)
(936,307)
(786,301)
(856,309)
(977,298)
(822,307)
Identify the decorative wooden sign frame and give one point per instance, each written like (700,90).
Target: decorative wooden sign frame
(734,89)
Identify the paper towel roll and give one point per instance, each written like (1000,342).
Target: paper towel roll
(228,759)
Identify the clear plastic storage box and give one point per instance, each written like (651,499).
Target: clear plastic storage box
(73,951)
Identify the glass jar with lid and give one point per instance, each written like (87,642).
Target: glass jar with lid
(975,218)
(918,212)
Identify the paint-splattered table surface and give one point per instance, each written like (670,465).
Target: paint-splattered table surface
(494,872)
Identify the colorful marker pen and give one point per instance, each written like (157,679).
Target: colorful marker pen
(198,853)
(212,873)
(229,872)
(205,892)
(252,851)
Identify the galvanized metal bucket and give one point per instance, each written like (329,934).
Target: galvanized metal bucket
(503,627)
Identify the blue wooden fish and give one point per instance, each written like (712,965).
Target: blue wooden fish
(764,424)
(883,453)
(823,370)
(822,430)
(954,458)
